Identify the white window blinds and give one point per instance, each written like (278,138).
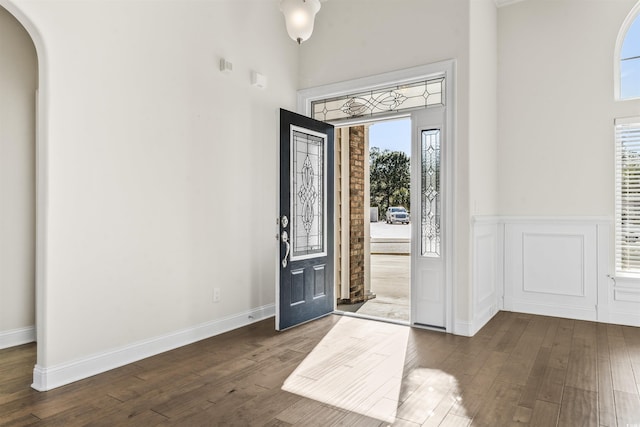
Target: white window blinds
(628,195)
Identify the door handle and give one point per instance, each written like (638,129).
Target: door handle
(285,240)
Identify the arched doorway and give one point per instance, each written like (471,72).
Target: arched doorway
(22,114)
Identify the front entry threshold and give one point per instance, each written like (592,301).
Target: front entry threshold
(367,317)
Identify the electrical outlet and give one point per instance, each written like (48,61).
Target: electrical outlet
(216,294)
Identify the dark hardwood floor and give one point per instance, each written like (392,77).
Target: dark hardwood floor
(518,370)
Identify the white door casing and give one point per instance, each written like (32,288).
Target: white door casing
(447,113)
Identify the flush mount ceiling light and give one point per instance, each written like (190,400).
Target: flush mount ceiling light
(299,16)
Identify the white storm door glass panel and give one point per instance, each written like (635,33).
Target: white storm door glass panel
(428,292)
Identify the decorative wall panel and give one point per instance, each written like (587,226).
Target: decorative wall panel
(553,264)
(551,269)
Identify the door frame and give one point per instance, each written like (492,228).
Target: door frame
(444,68)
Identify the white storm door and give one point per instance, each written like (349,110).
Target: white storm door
(428,291)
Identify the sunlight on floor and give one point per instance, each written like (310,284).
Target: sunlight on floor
(433,395)
(357,366)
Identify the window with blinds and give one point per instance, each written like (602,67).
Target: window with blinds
(628,195)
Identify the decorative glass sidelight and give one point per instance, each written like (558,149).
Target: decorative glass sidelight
(430,193)
(307,193)
(426,93)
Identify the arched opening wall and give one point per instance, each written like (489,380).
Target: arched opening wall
(18,86)
(143,147)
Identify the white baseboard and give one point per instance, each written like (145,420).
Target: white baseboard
(47,378)
(555,310)
(484,317)
(464,329)
(624,318)
(18,336)
(469,329)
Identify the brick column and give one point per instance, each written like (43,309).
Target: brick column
(357,158)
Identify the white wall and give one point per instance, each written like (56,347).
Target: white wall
(556,106)
(162,179)
(483,160)
(18,83)
(556,112)
(162,171)
(358,38)
(483,120)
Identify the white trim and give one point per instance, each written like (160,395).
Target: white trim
(631,318)
(278,230)
(18,336)
(627,281)
(47,378)
(630,120)
(465,329)
(345,214)
(617,298)
(409,75)
(605,267)
(635,12)
(487,270)
(42,173)
(559,220)
(555,310)
(445,68)
(293,172)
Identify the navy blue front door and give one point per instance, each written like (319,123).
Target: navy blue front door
(306,260)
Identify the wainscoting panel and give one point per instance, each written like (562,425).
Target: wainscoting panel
(551,268)
(559,267)
(624,301)
(486,278)
(554,264)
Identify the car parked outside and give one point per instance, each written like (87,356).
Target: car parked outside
(397,214)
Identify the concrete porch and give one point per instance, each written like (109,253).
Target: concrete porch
(390,274)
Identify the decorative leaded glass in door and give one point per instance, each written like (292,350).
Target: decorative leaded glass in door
(430,193)
(305,289)
(307,193)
